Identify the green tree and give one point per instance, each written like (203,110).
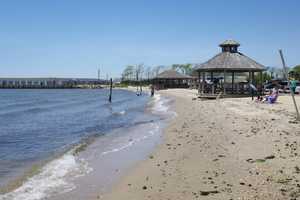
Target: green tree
(296,69)
(188,69)
(139,70)
(265,77)
(183,68)
(128,73)
(176,67)
(156,70)
(295,72)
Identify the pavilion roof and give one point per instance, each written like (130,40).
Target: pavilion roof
(172,74)
(231,61)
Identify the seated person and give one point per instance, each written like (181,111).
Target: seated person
(272,97)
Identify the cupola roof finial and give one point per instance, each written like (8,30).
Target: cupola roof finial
(229,43)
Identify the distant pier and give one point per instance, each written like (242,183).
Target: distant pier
(50,83)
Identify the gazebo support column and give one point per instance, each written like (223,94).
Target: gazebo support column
(232,82)
(261,83)
(224,83)
(199,82)
(203,82)
(212,81)
(251,78)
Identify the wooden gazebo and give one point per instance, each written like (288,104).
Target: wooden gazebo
(230,73)
(171,79)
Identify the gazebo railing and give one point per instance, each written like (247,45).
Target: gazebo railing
(236,88)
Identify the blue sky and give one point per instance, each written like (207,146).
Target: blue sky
(69,38)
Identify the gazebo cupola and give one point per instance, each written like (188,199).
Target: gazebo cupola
(230,46)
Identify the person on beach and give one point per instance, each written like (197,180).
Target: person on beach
(152,90)
(139,91)
(293,85)
(272,97)
(254,91)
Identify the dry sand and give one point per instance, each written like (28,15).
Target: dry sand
(220,149)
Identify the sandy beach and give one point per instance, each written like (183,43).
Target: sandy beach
(220,149)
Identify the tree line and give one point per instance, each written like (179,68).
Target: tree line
(141,72)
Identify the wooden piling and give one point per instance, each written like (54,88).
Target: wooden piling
(110,90)
(286,77)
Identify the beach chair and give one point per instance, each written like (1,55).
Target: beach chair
(272,99)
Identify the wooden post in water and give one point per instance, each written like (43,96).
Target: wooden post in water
(110,90)
(286,77)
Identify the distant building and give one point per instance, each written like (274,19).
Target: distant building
(46,82)
(171,79)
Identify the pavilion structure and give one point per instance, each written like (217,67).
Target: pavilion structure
(229,73)
(171,79)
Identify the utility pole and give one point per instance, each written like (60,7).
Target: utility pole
(286,78)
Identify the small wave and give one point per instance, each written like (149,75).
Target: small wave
(123,112)
(132,141)
(24,112)
(51,178)
(119,148)
(159,104)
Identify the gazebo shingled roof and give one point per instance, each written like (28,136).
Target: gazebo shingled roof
(172,74)
(230,59)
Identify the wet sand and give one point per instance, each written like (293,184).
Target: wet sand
(220,149)
(109,158)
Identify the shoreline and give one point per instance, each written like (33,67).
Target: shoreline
(94,154)
(114,162)
(224,149)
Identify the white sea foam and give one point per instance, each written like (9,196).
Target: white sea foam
(122,112)
(160,105)
(51,178)
(124,146)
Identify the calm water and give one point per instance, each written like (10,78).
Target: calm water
(38,124)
